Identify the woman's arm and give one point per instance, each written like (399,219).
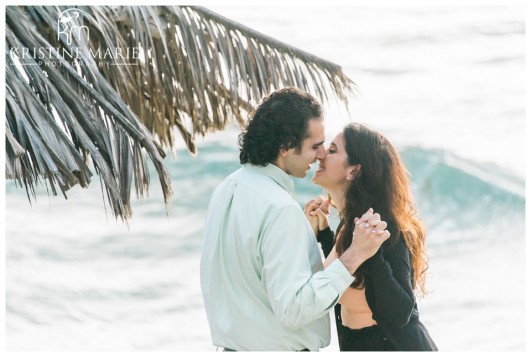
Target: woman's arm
(390,278)
(327,240)
(330,258)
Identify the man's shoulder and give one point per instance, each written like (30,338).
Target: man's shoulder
(260,187)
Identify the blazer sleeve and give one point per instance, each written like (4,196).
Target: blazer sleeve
(327,240)
(391,280)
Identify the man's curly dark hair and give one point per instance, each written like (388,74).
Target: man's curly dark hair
(279,122)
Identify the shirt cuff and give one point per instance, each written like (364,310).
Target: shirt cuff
(324,234)
(339,275)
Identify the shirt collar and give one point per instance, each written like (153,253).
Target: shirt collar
(276,174)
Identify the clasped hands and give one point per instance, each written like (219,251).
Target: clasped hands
(369,230)
(317,211)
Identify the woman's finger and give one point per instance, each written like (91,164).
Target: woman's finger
(310,208)
(313,209)
(320,214)
(365,217)
(375,217)
(382,225)
(384,236)
(325,206)
(375,223)
(309,202)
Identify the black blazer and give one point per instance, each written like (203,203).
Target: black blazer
(389,293)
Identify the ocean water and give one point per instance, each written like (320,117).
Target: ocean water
(445,84)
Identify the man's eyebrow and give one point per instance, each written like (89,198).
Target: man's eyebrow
(318,144)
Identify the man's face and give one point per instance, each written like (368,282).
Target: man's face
(297,163)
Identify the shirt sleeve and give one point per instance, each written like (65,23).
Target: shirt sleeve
(327,240)
(289,255)
(390,272)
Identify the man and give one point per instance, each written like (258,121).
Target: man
(262,277)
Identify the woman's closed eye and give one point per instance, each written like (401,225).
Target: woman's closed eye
(332,149)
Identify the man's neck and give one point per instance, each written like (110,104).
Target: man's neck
(278,163)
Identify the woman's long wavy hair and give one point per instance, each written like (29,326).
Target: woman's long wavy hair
(382,183)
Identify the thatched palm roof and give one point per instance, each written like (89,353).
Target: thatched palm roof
(116,90)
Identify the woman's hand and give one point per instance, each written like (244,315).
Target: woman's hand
(322,214)
(369,233)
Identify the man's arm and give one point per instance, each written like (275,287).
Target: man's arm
(299,290)
(297,295)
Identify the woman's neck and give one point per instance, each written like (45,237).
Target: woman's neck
(338,198)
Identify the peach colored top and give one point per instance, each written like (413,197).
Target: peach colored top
(355,311)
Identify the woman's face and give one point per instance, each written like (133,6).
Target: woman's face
(334,170)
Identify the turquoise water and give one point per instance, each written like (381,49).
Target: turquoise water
(72,272)
(444,84)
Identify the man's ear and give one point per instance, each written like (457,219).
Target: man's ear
(283,152)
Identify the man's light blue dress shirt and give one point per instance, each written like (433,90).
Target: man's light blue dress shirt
(262,276)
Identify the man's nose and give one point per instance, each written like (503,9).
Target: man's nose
(321,153)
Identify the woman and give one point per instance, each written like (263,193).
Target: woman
(378,312)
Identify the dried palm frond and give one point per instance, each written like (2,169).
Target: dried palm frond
(117,91)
